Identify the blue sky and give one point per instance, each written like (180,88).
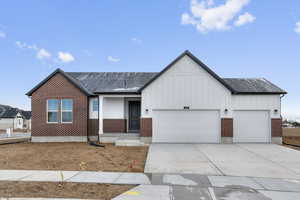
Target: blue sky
(236,38)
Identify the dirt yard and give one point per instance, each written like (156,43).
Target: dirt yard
(72,156)
(291,136)
(61,190)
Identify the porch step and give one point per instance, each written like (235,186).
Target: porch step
(129,142)
(121,138)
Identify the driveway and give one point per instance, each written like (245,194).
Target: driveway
(252,160)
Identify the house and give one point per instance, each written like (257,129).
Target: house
(14,118)
(184,103)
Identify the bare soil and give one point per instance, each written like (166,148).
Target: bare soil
(291,137)
(72,156)
(61,190)
(291,132)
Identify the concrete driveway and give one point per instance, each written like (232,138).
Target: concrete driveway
(252,160)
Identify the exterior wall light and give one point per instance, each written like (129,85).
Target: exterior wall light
(226,110)
(276,111)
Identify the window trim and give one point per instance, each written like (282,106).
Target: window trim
(57,111)
(97,104)
(61,111)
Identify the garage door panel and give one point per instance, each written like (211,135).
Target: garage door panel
(251,126)
(186,126)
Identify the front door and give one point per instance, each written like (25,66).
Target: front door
(134,116)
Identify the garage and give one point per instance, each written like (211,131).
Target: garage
(186,126)
(251,126)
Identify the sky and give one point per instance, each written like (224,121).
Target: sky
(235,38)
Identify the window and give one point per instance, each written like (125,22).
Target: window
(52,111)
(66,110)
(95,105)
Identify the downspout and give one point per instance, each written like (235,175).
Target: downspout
(281,96)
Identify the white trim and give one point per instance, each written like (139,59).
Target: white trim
(133,95)
(95,100)
(61,111)
(100,114)
(47,121)
(184,110)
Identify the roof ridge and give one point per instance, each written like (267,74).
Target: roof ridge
(111,72)
(243,78)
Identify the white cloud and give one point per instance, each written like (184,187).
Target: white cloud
(65,57)
(2,34)
(244,19)
(206,16)
(136,40)
(297,28)
(43,54)
(23,45)
(112,59)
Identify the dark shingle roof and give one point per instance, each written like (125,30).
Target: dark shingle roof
(3,109)
(253,86)
(26,114)
(10,112)
(92,83)
(112,82)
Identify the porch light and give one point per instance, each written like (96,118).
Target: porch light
(275,111)
(226,110)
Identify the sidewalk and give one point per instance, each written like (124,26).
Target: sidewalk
(171,186)
(74,176)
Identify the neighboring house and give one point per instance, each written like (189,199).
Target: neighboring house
(184,103)
(14,118)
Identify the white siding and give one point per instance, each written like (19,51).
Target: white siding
(113,108)
(185,84)
(257,102)
(6,123)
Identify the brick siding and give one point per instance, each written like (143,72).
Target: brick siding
(114,125)
(59,87)
(226,127)
(146,127)
(276,128)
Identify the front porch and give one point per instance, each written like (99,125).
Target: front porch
(116,119)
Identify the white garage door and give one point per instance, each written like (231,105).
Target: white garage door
(251,126)
(186,126)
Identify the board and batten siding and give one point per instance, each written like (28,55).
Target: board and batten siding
(258,102)
(185,84)
(113,108)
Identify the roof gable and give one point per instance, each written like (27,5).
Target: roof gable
(72,80)
(196,60)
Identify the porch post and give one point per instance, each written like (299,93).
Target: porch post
(100,114)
